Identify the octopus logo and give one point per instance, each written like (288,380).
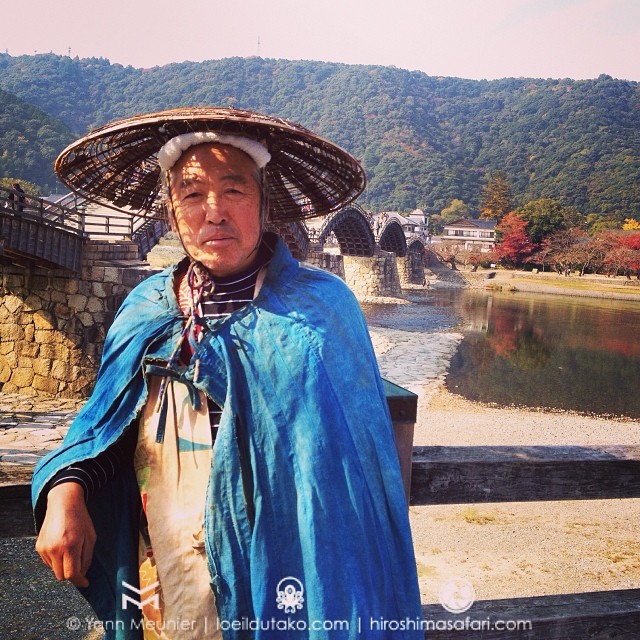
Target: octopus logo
(457,595)
(290,594)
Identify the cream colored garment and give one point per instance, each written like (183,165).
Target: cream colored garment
(173,478)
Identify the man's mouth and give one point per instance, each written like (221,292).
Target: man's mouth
(217,240)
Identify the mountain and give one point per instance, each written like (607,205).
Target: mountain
(423,140)
(30,141)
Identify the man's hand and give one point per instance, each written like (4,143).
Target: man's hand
(67,536)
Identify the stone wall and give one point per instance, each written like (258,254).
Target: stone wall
(408,270)
(367,277)
(53,322)
(373,276)
(331,262)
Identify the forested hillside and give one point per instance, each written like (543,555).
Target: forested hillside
(30,140)
(423,140)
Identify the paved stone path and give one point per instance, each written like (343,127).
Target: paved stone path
(413,359)
(31,426)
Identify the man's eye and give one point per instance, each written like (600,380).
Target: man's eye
(191,194)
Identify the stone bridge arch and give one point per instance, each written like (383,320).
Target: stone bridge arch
(392,238)
(352,228)
(415,262)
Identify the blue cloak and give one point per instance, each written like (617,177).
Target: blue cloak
(305,482)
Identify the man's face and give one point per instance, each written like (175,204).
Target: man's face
(216,200)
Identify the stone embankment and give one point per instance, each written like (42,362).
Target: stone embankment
(588,286)
(53,322)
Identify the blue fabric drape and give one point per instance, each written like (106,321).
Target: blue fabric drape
(305,487)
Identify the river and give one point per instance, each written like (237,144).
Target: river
(533,350)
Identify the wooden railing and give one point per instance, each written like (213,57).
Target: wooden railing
(459,475)
(51,233)
(147,233)
(32,231)
(35,208)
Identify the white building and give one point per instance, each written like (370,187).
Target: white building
(471,235)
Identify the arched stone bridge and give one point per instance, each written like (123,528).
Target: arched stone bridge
(372,256)
(352,229)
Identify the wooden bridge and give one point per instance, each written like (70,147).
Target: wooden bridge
(36,232)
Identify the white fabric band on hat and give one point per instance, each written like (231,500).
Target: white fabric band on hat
(170,153)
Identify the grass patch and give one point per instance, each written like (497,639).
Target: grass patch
(426,570)
(471,515)
(579,283)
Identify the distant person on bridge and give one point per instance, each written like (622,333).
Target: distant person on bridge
(17,201)
(234,472)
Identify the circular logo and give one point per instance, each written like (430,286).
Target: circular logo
(457,595)
(290,594)
(74,623)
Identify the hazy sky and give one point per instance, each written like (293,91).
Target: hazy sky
(463,38)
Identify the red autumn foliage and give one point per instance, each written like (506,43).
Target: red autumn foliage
(624,257)
(514,245)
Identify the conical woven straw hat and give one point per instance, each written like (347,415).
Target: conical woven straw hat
(116,165)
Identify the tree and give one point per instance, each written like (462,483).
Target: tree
(624,257)
(623,260)
(541,254)
(448,253)
(594,251)
(567,249)
(544,217)
(496,197)
(456,209)
(631,241)
(436,224)
(514,245)
(475,259)
(631,224)
(29,187)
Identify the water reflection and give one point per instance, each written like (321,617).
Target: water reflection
(549,351)
(533,350)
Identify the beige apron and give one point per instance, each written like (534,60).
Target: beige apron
(173,478)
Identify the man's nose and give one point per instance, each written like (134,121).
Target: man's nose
(214,210)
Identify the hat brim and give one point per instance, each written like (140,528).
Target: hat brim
(116,165)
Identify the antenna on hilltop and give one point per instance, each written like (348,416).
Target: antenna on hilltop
(69,50)
(258,46)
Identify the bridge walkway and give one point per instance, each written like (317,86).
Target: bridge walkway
(37,232)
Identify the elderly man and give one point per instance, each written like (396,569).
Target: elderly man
(234,472)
